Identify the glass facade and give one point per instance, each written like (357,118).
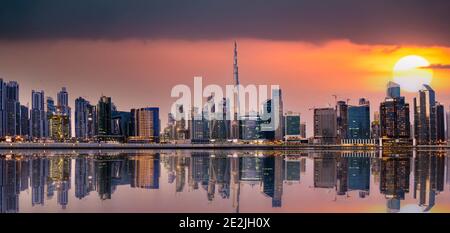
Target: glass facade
(358,122)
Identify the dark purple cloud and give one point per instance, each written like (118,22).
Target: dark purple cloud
(377,21)
(437,66)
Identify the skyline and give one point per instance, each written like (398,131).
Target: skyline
(139,99)
(308,48)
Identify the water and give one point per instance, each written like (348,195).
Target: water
(224,181)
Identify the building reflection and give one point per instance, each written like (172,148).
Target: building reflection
(343,172)
(223,175)
(394,179)
(429,170)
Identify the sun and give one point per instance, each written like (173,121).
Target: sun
(410,74)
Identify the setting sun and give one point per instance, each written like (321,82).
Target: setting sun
(409,72)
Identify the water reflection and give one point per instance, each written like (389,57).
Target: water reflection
(381,178)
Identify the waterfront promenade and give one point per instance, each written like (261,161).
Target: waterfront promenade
(230,146)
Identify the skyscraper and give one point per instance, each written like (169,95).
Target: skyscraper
(24,121)
(342,119)
(104,114)
(62,97)
(220,125)
(448,124)
(266,123)
(12,109)
(394,116)
(146,123)
(59,126)
(198,127)
(303,130)
(81,117)
(359,121)
(393,90)
(38,117)
(62,101)
(325,126)
(292,125)
(2,108)
(92,124)
(375,126)
(250,126)
(440,123)
(278,114)
(425,116)
(121,124)
(50,107)
(235,129)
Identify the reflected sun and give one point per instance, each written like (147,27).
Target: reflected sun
(410,74)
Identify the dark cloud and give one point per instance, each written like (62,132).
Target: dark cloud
(437,66)
(377,21)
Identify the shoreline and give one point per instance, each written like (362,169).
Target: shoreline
(112,146)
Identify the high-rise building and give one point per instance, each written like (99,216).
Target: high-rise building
(62,97)
(12,109)
(121,124)
(59,126)
(104,114)
(38,117)
(24,121)
(92,124)
(425,128)
(81,118)
(394,116)
(219,124)
(146,124)
(2,108)
(250,127)
(448,124)
(51,111)
(393,90)
(278,114)
(359,121)
(267,124)
(342,119)
(62,102)
(440,123)
(375,126)
(235,129)
(198,127)
(325,126)
(292,124)
(303,130)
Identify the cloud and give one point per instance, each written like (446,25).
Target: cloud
(367,22)
(437,66)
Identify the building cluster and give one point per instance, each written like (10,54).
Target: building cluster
(222,176)
(211,124)
(47,121)
(391,125)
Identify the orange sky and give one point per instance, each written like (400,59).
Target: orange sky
(141,73)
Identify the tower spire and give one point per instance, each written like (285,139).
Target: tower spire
(235,65)
(235,124)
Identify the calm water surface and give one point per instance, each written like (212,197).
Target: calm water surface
(224,181)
